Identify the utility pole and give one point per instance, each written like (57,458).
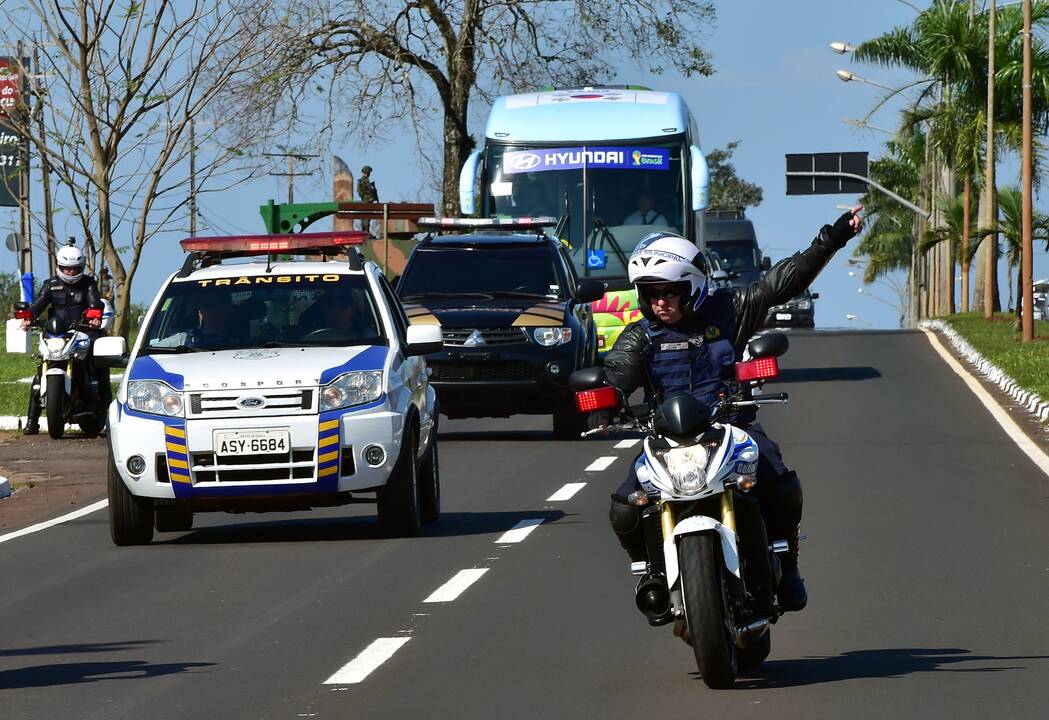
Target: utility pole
(989,187)
(23,175)
(291,174)
(45,163)
(1026,173)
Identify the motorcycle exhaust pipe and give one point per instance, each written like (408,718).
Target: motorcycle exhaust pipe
(653,599)
(748,634)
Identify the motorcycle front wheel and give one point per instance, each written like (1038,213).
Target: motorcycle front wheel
(703,590)
(56,411)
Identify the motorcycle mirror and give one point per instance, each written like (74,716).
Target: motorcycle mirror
(587,379)
(769,345)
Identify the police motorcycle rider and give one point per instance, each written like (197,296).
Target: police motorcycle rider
(68,294)
(688,341)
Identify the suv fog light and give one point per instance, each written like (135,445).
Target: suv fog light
(553,368)
(136,465)
(374,455)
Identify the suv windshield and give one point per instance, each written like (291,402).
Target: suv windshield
(465,271)
(613,195)
(735,254)
(253,311)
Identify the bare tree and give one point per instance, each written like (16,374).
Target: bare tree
(122,83)
(394,60)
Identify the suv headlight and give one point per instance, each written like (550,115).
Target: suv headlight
(687,467)
(551,336)
(154,397)
(804,304)
(353,388)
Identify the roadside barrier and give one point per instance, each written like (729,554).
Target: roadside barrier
(1031,402)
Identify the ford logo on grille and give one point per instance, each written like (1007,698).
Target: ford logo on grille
(251,402)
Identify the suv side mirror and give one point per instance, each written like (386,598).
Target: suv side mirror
(110,352)
(815,296)
(769,345)
(720,275)
(766,263)
(423,340)
(589,290)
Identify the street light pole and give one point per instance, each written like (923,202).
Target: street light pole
(1026,172)
(990,189)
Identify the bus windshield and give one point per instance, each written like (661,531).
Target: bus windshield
(613,195)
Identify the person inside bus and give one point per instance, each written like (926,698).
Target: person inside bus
(645,214)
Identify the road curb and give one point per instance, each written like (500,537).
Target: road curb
(1030,401)
(17,422)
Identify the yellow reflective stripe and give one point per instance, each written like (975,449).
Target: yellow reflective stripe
(324,472)
(329,425)
(175,432)
(176,463)
(325,442)
(176,448)
(326,457)
(180,478)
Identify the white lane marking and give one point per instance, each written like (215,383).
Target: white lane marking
(600,464)
(626,444)
(57,521)
(456,586)
(1029,447)
(520,531)
(381,650)
(566,492)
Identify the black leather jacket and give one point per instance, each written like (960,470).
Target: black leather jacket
(67,301)
(625,362)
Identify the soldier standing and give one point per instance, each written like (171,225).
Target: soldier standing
(366,192)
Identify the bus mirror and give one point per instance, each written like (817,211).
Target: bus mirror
(468,180)
(700,180)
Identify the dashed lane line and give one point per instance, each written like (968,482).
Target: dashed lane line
(600,464)
(353,672)
(566,492)
(456,586)
(626,444)
(56,521)
(519,531)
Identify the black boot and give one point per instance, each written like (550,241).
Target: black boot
(626,522)
(784,522)
(792,595)
(32,426)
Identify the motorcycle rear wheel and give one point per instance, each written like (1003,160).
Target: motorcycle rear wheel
(703,588)
(56,412)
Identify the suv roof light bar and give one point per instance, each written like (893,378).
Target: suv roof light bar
(266,244)
(519,223)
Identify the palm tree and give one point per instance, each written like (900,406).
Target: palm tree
(953,228)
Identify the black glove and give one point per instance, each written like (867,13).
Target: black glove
(600,417)
(841,231)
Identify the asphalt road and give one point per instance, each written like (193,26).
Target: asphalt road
(926,566)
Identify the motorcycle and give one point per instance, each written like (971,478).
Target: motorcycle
(69,390)
(711,568)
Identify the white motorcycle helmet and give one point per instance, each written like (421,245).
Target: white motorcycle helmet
(663,257)
(70,261)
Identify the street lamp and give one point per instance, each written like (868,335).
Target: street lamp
(883,301)
(846,76)
(842,47)
(850,316)
(864,125)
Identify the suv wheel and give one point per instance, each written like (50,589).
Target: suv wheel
(398,502)
(130,517)
(430,483)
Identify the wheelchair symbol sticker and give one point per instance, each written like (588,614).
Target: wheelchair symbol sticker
(596,259)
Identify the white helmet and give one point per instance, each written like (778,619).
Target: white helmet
(663,257)
(70,262)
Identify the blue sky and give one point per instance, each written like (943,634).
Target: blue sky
(775,90)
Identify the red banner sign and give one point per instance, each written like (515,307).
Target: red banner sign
(10,86)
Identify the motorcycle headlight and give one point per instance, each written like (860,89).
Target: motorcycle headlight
(55,344)
(687,467)
(154,397)
(551,336)
(353,388)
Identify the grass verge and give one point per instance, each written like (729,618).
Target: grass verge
(1026,363)
(14,395)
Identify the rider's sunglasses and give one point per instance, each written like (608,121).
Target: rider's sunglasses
(665,294)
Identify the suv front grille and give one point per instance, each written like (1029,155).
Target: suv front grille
(457,337)
(296,465)
(491,371)
(278,401)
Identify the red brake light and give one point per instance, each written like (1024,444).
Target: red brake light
(760,369)
(93,313)
(24,314)
(602,398)
(262,244)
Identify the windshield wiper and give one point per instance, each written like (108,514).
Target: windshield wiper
(486,296)
(606,235)
(510,293)
(174,349)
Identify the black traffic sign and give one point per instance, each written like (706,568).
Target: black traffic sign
(822,173)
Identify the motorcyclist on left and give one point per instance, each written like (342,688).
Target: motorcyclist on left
(67,295)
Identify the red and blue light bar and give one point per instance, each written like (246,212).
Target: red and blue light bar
(518,223)
(265,244)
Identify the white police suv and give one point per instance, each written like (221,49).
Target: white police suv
(272,384)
